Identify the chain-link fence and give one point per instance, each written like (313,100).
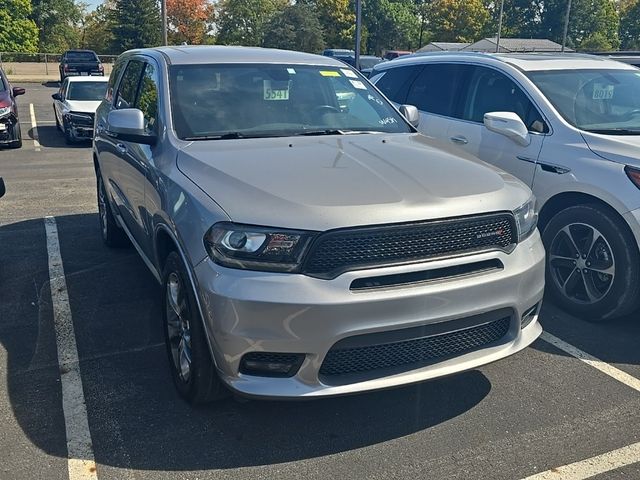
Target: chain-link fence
(41,64)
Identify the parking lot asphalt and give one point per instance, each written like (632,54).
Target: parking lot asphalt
(538,410)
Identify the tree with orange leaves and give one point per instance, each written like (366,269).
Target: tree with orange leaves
(189,20)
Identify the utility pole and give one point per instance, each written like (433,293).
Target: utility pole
(163,13)
(358,32)
(566,26)
(499,26)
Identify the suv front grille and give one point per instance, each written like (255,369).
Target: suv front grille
(338,251)
(358,357)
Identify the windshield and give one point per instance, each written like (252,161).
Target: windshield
(88,91)
(81,57)
(252,100)
(600,101)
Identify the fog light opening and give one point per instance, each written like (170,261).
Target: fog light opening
(265,364)
(528,316)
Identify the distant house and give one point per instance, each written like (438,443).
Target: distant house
(444,46)
(510,45)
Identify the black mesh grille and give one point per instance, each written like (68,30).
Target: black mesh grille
(341,250)
(412,353)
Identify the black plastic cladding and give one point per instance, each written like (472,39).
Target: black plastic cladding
(335,252)
(412,353)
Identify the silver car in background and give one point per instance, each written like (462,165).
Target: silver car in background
(569,127)
(308,240)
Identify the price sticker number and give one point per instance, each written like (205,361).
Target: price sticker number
(276,90)
(602,92)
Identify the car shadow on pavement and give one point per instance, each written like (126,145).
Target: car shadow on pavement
(136,418)
(49,136)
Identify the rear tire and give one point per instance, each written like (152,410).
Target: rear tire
(192,368)
(593,263)
(112,235)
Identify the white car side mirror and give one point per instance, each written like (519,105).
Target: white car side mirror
(508,124)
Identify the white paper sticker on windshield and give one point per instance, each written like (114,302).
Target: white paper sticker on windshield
(358,84)
(291,71)
(274,90)
(348,73)
(602,92)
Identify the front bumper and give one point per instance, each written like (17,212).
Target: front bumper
(249,311)
(8,128)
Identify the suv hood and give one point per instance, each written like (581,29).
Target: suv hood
(82,106)
(623,149)
(319,183)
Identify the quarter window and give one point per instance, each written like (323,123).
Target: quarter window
(492,91)
(129,85)
(148,97)
(436,90)
(395,82)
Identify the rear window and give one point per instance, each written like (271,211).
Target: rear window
(81,57)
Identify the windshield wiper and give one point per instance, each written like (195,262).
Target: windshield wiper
(328,131)
(224,136)
(615,131)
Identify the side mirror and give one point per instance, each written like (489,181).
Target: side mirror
(57,96)
(18,91)
(411,114)
(2,189)
(128,125)
(508,124)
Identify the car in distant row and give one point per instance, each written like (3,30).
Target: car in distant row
(392,54)
(80,62)
(75,104)
(10,133)
(569,127)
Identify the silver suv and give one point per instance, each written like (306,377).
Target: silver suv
(309,242)
(569,127)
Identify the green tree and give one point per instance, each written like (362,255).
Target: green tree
(457,20)
(596,42)
(390,24)
(587,18)
(97,30)
(243,22)
(296,28)
(57,22)
(135,24)
(630,26)
(520,18)
(18,32)
(337,19)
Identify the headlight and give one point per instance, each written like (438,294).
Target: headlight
(256,248)
(633,174)
(5,111)
(79,118)
(526,218)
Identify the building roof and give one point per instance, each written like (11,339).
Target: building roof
(443,46)
(516,45)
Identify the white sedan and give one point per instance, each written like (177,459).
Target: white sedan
(75,106)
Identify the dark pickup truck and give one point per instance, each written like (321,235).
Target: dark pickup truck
(80,62)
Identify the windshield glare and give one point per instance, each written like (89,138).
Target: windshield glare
(601,101)
(276,100)
(87,91)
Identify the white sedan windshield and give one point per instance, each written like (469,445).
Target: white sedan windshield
(254,100)
(600,101)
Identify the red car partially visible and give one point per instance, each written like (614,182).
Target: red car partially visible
(10,134)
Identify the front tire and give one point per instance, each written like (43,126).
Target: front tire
(593,264)
(192,368)
(17,143)
(68,136)
(112,235)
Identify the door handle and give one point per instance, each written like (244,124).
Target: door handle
(122,148)
(459,140)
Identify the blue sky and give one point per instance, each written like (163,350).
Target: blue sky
(93,3)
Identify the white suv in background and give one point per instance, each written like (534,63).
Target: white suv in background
(568,126)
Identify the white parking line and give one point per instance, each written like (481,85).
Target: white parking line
(81,462)
(593,466)
(612,371)
(34,126)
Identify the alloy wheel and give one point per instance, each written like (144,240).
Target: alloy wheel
(178,326)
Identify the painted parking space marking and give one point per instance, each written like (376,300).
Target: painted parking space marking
(593,466)
(81,461)
(34,126)
(604,367)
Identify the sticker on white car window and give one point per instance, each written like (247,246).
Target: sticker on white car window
(358,84)
(274,90)
(602,91)
(348,73)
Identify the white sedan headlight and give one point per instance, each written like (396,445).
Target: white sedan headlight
(526,218)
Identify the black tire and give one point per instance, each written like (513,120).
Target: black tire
(17,143)
(55,115)
(112,235)
(62,77)
(593,264)
(66,130)
(196,380)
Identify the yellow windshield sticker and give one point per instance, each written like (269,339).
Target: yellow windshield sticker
(329,73)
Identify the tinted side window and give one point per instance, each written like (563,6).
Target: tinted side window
(129,85)
(113,78)
(148,97)
(395,82)
(492,91)
(437,88)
